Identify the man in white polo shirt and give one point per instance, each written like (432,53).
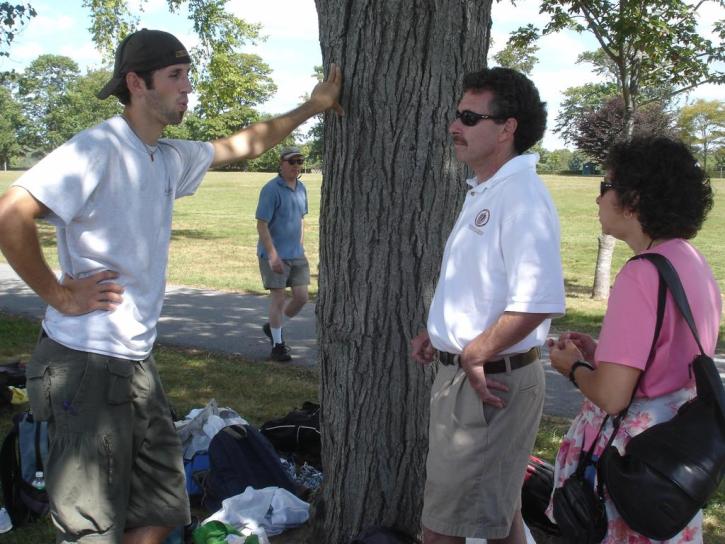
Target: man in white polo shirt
(500,283)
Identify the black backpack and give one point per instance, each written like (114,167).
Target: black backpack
(240,456)
(23,453)
(297,433)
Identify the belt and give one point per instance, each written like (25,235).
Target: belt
(498,366)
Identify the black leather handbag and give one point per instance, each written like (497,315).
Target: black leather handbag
(579,508)
(670,470)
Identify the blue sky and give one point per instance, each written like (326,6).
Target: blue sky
(292,48)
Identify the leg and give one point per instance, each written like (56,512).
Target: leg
(517,534)
(146,535)
(90,418)
(276,307)
(158,501)
(299,298)
(431,537)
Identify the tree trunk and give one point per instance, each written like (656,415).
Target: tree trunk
(605,251)
(600,291)
(391,191)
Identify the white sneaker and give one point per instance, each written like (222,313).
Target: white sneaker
(5,523)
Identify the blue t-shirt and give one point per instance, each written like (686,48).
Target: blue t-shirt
(282,209)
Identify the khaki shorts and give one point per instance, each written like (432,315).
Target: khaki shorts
(296,272)
(478,454)
(115,459)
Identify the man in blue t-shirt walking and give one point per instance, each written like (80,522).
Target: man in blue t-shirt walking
(282,262)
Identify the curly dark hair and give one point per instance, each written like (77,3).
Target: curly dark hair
(514,95)
(122,92)
(660,180)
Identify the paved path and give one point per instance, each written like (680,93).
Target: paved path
(231,323)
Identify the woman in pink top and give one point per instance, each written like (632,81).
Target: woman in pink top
(654,198)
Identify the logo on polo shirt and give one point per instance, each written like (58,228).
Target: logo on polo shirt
(482,218)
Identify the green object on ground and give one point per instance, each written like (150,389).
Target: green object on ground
(215,532)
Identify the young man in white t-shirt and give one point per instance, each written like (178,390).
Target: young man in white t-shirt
(114,472)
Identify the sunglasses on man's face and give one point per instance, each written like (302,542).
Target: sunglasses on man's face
(471,118)
(296,161)
(605,186)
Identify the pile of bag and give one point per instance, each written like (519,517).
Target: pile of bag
(12,383)
(234,471)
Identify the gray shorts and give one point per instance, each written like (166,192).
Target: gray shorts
(296,272)
(115,460)
(477,453)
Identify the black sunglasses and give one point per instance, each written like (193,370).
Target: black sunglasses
(296,161)
(604,186)
(471,118)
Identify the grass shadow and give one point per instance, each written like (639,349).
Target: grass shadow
(193,234)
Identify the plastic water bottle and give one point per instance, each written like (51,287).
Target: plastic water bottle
(39,481)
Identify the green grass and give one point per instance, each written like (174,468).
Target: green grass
(214,233)
(214,237)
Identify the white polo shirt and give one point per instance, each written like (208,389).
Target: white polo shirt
(502,255)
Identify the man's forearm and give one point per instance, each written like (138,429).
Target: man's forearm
(509,329)
(266,238)
(255,139)
(20,246)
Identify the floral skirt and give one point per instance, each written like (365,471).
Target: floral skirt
(642,414)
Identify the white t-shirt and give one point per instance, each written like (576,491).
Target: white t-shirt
(112,207)
(502,255)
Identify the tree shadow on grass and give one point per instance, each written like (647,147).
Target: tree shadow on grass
(576,289)
(192,234)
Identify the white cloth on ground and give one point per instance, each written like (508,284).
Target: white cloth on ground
(274,509)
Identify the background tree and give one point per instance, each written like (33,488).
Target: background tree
(315,141)
(653,45)
(391,190)
(40,90)
(78,108)
(228,82)
(578,102)
(11,119)
(520,50)
(12,19)
(597,129)
(702,126)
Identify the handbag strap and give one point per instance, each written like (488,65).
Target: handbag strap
(668,273)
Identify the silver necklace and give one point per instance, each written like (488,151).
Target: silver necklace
(150,149)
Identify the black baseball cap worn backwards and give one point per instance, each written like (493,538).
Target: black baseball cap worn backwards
(143,51)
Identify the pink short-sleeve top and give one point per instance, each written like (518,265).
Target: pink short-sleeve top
(629,323)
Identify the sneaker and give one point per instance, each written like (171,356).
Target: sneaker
(280,353)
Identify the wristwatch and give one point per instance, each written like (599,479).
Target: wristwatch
(576,365)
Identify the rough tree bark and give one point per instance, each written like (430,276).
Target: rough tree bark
(391,191)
